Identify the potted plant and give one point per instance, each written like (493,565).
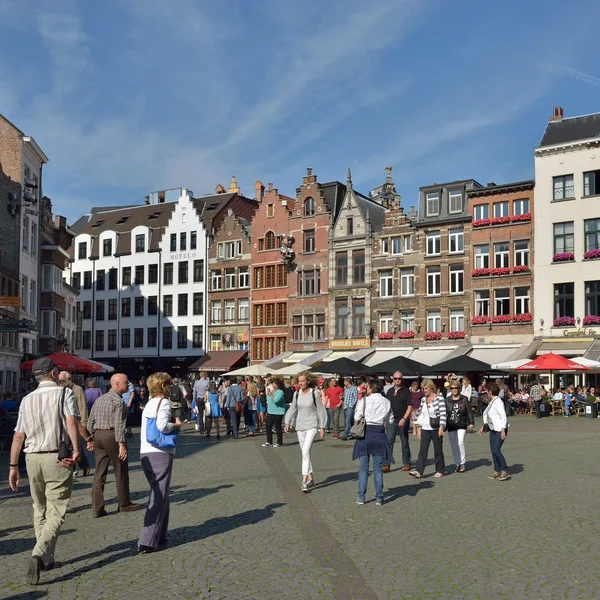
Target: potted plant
(592,254)
(563,257)
(564,322)
(433,335)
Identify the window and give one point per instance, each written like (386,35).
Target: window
(434,320)
(86,340)
(33,297)
(591,184)
(281,313)
(457,320)
(198,303)
(229,279)
(408,243)
(193,240)
(244,277)
(87,280)
(269,314)
(140,242)
(592,234)
(482,256)
(407,278)
(500,209)
(341,318)
(309,207)
(259,281)
(386,322)
(457,279)
(125,338)
(126,276)
(229,311)
(87,309)
(139,275)
(521,300)
(270,211)
(564,300)
(221,250)
(270,241)
(138,337)
(243,311)
(112,339)
(297,328)
(167,335)
(434,281)
(358,318)
(152,335)
(182,336)
(309,240)
(107,251)
(112,279)
(26,233)
(100,341)
(139,306)
(152,305)
(350,226)
(168,305)
(76,281)
(386,283)
(592,298)
(183,241)
(153,273)
(341,268)
(215,315)
(123,220)
(125,307)
(282,275)
(522,253)
(259,312)
(434,243)
(320,327)
(99,310)
(501,255)
(168,273)
(173,245)
(385,246)
(564,187)
(182,272)
(199,271)
(112,309)
(49,323)
(82,251)
(230,249)
(521,207)
(432,208)
(358,265)
(456,241)
(270,276)
(100,280)
(407,320)
(482,303)
(563,237)
(182,305)
(455,204)
(482,211)
(502,301)
(258,349)
(197,336)
(397,245)
(309,283)
(34,239)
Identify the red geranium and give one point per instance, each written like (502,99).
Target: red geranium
(433,335)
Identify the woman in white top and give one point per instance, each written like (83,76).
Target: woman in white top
(467,388)
(494,417)
(310,416)
(377,411)
(157,463)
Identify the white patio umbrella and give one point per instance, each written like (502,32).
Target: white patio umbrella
(252,370)
(510,365)
(292,369)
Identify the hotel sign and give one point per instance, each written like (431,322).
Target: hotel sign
(183,255)
(580,333)
(350,344)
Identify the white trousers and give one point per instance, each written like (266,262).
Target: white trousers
(457,441)
(306,439)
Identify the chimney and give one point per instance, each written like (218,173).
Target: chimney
(259,190)
(220,189)
(60,222)
(491,184)
(147,200)
(309,177)
(271,188)
(558,114)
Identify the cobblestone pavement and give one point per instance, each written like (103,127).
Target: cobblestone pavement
(241,528)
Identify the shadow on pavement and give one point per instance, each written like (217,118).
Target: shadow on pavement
(18,545)
(516,469)
(335,479)
(27,596)
(406,490)
(4,532)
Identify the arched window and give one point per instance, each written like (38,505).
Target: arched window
(309,207)
(270,241)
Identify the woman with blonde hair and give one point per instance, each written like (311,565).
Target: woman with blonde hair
(157,463)
(212,397)
(251,407)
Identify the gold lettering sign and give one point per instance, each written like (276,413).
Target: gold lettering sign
(580,333)
(357,292)
(350,344)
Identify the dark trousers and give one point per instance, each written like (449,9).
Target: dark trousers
(158,467)
(496,443)
(393,429)
(428,436)
(84,463)
(200,409)
(274,420)
(234,422)
(107,451)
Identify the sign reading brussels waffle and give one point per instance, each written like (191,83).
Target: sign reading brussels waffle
(350,344)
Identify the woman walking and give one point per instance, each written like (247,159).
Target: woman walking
(458,420)
(309,415)
(157,463)
(416,396)
(251,407)
(262,404)
(275,412)
(494,417)
(377,412)
(431,424)
(213,398)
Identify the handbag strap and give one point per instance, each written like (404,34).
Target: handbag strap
(62,413)
(158,407)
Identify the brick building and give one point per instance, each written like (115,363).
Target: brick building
(272,255)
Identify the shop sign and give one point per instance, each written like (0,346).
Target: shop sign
(350,344)
(580,333)
(350,292)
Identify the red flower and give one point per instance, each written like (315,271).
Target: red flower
(386,336)
(480,320)
(523,318)
(524,217)
(456,335)
(481,223)
(500,271)
(405,335)
(499,220)
(480,272)
(521,269)
(502,319)
(433,335)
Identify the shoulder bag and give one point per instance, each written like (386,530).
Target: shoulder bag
(357,431)
(156,437)
(207,408)
(65,446)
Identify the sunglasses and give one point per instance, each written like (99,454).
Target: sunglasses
(453,388)
(397,378)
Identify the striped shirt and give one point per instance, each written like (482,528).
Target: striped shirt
(437,409)
(109,412)
(39,417)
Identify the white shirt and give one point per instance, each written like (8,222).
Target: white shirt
(495,415)
(378,410)
(163,422)
(467,391)
(558,396)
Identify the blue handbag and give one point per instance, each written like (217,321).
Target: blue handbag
(156,437)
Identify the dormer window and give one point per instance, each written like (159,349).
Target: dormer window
(432,208)
(140,242)
(455,201)
(82,251)
(309,207)
(122,220)
(98,223)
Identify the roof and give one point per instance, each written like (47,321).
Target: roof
(571,129)
(333,192)
(503,188)
(375,212)
(219,360)
(450,184)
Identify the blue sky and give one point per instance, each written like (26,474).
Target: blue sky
(131,96)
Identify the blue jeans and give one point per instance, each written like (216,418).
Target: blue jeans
(348,419)
(251,421)
(393,429)
(363,475)
(496,447)
(328,419)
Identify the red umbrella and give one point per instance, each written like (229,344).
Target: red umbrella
(551,362)
(68,362)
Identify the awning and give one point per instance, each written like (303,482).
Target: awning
(430,356)
(494,354)
(336,355)
(380,356)
(69,362)
(297,357)
(461,365)
(566,346)
(593,352)
(220,360)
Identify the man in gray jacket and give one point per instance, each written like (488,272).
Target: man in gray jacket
(234,394)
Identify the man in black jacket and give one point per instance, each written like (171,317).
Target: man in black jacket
(401,401)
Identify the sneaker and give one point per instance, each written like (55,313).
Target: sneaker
(276,445)
(335,436)
(266,445)
(438,475)
(196,427)
(305,487)
(461,469)
(415,474)
(504,476)
(378,501)
(494,476)
(359,501)
(34,566)
(311,483)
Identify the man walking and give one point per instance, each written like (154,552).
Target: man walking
(234,395)
(334,394)
(535,395)
(200,389)
(401,401)
(350,400)
(44,417)
(106,424)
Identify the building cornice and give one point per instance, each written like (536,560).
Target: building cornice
(570,147)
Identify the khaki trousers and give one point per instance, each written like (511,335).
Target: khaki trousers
(51,485)
(106,449)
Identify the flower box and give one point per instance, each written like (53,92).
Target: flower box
(523,318)
(480,272)
(456,335)
(500,271)
(502,319)
(499,220)
(433,335)
(592,254)
(386,336)
(564,322)
(481,223)
(591,320)
(521,269)
(480,320)
(563,256)
(406,335)
(521,218)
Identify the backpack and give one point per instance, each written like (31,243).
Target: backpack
(295,396)
(176,394)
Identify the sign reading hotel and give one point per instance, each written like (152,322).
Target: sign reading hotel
(183,255)
(350,344)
